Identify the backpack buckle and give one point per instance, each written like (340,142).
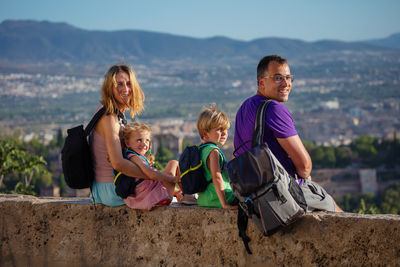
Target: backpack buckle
(249,206)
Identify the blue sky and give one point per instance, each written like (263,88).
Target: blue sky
(309,20)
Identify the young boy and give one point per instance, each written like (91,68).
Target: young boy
(213,126)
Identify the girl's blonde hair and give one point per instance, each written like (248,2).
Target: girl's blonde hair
(108,100)
(140,127)
(211,118)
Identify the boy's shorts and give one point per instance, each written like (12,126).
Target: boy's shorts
(316,197)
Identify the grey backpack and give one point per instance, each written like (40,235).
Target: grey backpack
(266,192)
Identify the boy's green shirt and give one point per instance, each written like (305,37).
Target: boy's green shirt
(209,197)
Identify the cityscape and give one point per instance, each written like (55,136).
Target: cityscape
(326,110)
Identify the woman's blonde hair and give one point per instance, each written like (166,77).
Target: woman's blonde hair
(211,118)
(140,127)
(108,100)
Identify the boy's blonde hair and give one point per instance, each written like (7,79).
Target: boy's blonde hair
(108,100)
(211,118)
(138,127)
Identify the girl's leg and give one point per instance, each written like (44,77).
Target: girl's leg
(172,168)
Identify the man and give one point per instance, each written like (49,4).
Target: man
(275,82)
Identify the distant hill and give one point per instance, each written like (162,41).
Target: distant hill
(27,41)
(393,41)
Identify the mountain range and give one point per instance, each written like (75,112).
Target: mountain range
(28,41)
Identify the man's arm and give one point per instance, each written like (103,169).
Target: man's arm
(298,154)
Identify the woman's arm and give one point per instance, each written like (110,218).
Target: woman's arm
(108,127)
(215,169)
(151,173)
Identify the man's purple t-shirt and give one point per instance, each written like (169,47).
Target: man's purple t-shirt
(279,125)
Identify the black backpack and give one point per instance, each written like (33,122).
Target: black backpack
(191,168)
(125,185)
(76,157)
(266,192)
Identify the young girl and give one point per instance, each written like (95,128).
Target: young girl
(154,190)
(213,126)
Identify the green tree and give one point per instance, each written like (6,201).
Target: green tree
(28,164)
(14,159)
(10,153)
(60,138)
(317,156)
(58,142)
(308,145)
(46,178)
(390,200)
(163,154)
(365,148)
(329,158)
(35,146)
(323,157)
(367,210)
(359,203)
(20,188)
(343,157)
(63,186)
(390,153)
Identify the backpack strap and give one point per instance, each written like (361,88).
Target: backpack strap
(94,120)
(129,151)
(121,118)
(258,134)
(215,146)
(259,123)
(96,117)
(259,126)
(242,221)
(220,152)
(242,144)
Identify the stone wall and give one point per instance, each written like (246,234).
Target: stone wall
(73,232)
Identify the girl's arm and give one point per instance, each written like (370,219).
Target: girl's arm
(151,173)
(215,169)
(108,127)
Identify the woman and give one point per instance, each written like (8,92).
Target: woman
(120,92)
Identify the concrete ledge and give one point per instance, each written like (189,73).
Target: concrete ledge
(72,232)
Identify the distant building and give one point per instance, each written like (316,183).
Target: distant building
(333,104)
(368,181)
(170,141)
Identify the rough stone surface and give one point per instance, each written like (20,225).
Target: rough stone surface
(73,232)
